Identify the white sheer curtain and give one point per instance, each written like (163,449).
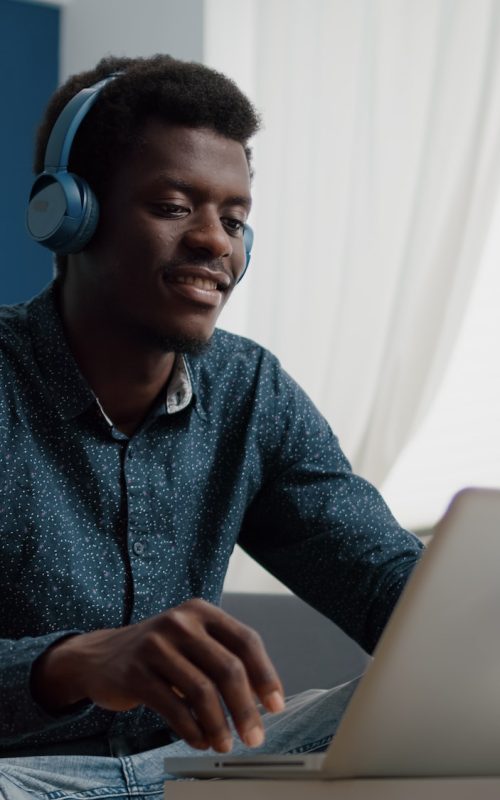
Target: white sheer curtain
(376,176)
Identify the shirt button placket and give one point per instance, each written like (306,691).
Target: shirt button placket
(132,481)
(137,531)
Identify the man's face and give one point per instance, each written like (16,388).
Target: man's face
(169,247)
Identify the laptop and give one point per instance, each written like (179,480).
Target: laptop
(429,703)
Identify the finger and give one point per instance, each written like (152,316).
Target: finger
(200,694)
(228,674)
(248,646)
(168,703)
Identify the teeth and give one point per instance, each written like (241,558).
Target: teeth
(200,283)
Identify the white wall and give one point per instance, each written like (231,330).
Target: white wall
(91,29)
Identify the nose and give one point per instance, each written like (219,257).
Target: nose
(208,237)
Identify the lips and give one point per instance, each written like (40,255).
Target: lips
(197,284)
(200,283)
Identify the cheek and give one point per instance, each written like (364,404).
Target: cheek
(167,238)
(163,242)
(138,252)
(157,243)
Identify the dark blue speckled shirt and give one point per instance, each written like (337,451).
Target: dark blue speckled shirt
(99,530)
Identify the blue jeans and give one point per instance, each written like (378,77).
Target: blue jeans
(307,724)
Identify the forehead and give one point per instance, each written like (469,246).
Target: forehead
(197,157)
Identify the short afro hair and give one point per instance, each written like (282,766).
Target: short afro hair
(177,92)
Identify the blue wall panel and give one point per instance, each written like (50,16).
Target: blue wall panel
(29,48)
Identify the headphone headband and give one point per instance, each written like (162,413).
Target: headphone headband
(62,135)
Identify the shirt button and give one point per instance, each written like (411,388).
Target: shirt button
(139,548)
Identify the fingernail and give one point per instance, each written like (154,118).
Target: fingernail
(199,744)
(274,701)
(254,737)
(223,745)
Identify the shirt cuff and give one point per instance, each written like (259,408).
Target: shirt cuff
(20,714)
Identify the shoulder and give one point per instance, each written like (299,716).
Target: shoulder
(224,345)
(235,358)
(242,380)
(13,329)
(22,326)
(13,316)
(16,363)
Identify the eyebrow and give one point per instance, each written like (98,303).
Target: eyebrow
(185,186)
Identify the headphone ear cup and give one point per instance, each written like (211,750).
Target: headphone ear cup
(62,213)
(88,219)
(248,244)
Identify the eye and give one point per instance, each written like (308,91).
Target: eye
(234,226)
(169,210)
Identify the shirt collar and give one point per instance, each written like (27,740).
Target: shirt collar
(66,387)
(180,388)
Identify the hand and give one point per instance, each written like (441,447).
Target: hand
(180,663)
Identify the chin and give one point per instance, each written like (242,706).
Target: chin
(189,346)
(181,343)
(191,342)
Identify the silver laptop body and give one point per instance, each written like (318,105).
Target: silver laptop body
(429,703)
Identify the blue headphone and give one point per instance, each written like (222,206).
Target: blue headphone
(63,211)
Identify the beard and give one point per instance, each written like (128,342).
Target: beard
(171,343)
(186,345)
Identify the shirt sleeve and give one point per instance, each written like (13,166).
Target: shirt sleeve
(20,715)
(322,530)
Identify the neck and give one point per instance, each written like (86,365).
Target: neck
(125,376)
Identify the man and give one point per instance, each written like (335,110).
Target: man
(139,446)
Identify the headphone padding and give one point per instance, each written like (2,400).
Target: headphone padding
(248,244)
(62,213)
(88,220)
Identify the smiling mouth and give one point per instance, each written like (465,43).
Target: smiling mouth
(201,290)
(200,283)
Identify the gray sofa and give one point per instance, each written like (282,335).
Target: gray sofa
(309,651)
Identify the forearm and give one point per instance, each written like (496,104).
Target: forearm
(55,684)
(333,541)
(20,712)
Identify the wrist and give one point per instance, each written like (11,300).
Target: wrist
(54,683)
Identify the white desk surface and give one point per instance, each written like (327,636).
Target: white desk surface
(378,789)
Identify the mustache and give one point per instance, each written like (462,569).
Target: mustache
(212,264)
